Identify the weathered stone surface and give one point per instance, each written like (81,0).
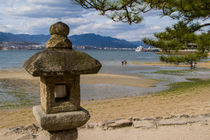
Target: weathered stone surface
(59,58)
(59,28)
(70,103)
(178,121)
(90,125)
(150,123)
(62,135)
(100,124)
(18,129)
(59,41)
(54,62)
(144,124)
(59,67)
(120,123)
(32,128)
(60,121)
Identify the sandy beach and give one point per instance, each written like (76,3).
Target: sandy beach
(194,131)
(115,79)
(101,78)
(192,100)
(183,132)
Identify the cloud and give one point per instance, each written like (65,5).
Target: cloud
(136,34)
(25,26)
(37,9)
(155,27)
(36,16)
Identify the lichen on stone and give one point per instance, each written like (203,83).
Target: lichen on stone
(59,39)
(59,28)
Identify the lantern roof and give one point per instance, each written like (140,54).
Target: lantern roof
(59,58)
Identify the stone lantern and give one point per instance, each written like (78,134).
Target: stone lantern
(59,68)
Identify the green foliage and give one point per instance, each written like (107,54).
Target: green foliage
(118,10)
(175,38)
(203,42)
(180,37)
(175,59)
(131,11)
(185,10)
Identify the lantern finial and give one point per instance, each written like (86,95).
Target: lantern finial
(59,39)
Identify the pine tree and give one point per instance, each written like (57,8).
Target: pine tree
(180,37)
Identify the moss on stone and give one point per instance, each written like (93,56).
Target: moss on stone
(59,28)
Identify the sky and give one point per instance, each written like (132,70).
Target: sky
(36,16)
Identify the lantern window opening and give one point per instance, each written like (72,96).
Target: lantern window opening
(62,92)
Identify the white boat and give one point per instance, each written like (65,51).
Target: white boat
(139,49)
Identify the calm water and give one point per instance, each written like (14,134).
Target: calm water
(15,58)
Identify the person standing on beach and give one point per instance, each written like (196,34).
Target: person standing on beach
(124,62)
(191,65)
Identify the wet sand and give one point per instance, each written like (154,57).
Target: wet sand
(115,79)
(93,87)
(192,101)
(124,80)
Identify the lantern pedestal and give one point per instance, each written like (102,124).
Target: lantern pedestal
(62,135)
(58,124)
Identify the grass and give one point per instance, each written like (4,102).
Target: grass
(175,72)
(181,87)
(21,99)
(19,93)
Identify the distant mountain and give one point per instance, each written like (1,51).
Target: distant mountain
(23,38)
(91,40)
(100,41)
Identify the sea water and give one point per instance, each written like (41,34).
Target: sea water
(111,60)
(13,59)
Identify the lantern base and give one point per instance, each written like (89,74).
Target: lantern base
(60,121)
(61,135)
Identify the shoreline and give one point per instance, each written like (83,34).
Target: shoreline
(192,100)
(17,85)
